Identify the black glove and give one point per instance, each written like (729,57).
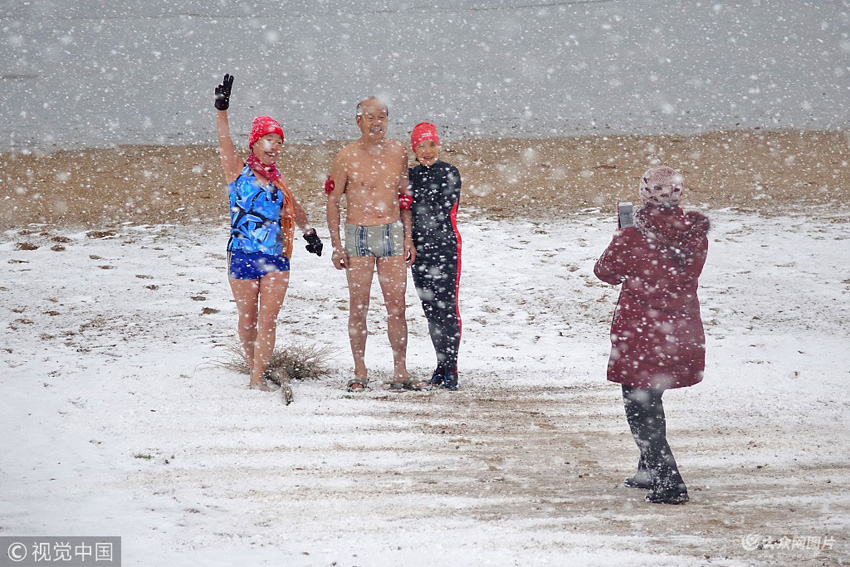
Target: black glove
(222,93)
(314,243)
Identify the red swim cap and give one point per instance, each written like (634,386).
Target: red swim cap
(263,125)
(424,131)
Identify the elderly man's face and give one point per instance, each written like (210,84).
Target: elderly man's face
(373,119)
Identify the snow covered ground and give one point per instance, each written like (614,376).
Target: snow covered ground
(118,420)
(86,72)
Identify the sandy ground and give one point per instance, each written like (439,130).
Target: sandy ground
(753,171)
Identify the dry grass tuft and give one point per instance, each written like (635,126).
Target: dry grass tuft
(295,361)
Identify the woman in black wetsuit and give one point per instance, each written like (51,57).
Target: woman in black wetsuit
(435,186)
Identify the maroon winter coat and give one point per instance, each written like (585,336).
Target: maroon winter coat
(657,337)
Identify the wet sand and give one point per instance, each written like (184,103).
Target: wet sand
(770,173)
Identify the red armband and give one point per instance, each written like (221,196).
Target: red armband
(329,185)
(405,202)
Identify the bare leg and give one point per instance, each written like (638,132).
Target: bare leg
(392,276)
(272,292)
(247,296)
(258,302)
(359,272)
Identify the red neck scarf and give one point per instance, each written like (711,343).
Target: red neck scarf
(269,171)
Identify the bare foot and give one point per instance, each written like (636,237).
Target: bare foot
(262,386)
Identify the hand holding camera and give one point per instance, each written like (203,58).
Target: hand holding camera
(625,215)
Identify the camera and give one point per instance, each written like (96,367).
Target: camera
(625,215)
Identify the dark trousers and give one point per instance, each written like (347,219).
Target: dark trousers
(645,414)
(435,275)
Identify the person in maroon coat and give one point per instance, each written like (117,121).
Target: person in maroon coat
(657,337)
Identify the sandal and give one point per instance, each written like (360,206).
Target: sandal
(409,383)
(357,384)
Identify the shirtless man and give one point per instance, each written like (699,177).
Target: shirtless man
(372,173)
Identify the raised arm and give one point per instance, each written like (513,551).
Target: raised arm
(230,162)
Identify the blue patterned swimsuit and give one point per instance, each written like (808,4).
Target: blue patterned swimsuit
(255,216)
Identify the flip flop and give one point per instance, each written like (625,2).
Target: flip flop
(357,384)
(408,384)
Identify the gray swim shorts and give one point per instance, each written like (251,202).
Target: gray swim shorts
(379,241)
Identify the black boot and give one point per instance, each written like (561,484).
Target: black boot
(667,486)
(451,381)
(437,378)
(670,495)
(645,414)
(642,480)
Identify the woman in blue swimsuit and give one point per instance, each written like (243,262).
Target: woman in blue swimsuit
(262,213)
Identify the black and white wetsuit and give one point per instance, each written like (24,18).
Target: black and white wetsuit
(436,272)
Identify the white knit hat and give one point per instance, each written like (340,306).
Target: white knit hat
(661,185)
